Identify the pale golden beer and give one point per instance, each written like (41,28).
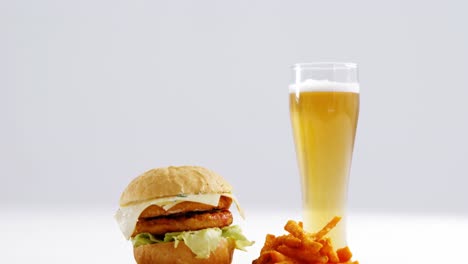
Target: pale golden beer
(324,119)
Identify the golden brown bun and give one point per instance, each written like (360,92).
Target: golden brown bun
(172,181)
(165,253)
(155,210)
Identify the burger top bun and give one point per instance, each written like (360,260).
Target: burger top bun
(167,253)
(172,181)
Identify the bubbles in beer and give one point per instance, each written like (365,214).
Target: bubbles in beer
(311,85)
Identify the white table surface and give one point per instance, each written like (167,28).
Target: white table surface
(92,236)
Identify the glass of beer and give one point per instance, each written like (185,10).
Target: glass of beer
(324,109)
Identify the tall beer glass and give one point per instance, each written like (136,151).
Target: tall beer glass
(324,108)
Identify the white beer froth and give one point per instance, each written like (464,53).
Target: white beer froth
(323,86)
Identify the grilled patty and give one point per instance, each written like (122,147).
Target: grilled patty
(184,207)
(183,222)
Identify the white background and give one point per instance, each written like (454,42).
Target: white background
(93,93)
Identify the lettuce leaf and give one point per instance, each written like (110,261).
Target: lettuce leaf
(201,242)
(144,239)
(235,232)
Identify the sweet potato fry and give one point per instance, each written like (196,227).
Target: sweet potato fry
(302,255)
(327,250)
(270,256)
(293,242)
(344,254)
(301,247)
(270,241)
(277,256)
(327,227)
(294,228)
(311,245)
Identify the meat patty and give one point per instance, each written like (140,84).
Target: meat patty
(183,222)
(155,210)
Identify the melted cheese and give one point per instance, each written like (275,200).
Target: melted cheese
(127,216)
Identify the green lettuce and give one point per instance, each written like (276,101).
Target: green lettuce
(201,242)
(235,232)
(144,239)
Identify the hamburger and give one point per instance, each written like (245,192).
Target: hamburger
(180,215)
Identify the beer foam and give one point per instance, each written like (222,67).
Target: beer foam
(311,85)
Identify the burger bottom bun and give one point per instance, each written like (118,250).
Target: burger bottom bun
(166,253)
